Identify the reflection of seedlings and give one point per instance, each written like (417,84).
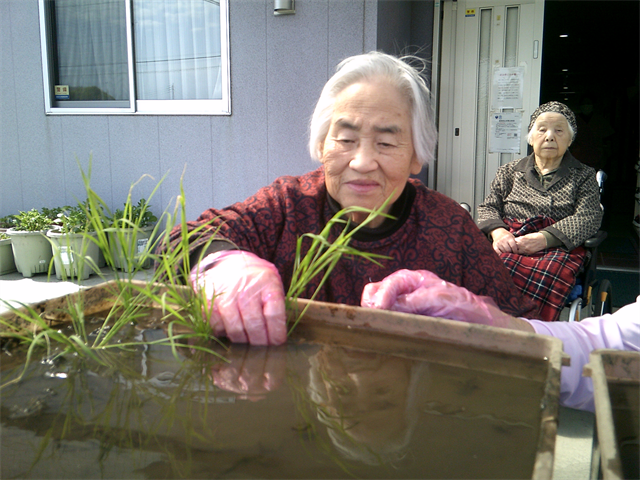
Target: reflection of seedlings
(34,407)
(110,402)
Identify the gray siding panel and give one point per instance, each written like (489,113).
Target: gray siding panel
(134,143)
(10,170)
(84,137)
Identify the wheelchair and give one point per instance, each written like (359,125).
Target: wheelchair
(582,296)
(590,294)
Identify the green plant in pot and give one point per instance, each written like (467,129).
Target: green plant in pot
(31,250)
(131,235)
(75,251)
(52,213)
(7,222)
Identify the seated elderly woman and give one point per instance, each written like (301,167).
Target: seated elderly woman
(541,208)
(371,129)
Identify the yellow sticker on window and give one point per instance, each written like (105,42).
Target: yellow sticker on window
(62,92)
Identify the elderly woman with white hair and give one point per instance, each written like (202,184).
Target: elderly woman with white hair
(541,208)
(371,130)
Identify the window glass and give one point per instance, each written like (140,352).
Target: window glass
(178,50)
(177,45)
(91,49)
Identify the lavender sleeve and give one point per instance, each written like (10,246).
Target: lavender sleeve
(620,331)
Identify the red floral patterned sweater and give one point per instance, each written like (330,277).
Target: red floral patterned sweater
(431,232)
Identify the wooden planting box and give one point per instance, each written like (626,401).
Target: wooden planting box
(467,425)
(616,385)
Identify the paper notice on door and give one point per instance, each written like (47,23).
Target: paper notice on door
(508,87)
(505,132)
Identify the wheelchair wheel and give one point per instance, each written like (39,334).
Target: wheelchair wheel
(603,299)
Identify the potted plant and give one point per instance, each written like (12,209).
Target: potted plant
(130,236)
(31,250)
(75,251)
(7,264)
(52,213)
(7,222)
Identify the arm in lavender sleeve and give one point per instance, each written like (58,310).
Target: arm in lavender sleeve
(424,293)
(620,331)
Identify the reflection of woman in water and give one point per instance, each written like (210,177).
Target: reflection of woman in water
(367,401)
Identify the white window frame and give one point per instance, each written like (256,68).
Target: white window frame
(142,107)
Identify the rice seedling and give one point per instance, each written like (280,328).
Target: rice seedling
(323,255)
(184,313)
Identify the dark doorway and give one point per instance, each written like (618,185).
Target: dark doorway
(590,61)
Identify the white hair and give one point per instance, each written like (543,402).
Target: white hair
(406,78)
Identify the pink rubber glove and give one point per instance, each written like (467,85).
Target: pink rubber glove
(424,293)
(250,373)
(248,297)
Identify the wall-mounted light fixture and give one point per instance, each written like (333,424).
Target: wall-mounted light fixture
(284,7)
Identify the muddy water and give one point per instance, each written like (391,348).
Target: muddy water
(381,408)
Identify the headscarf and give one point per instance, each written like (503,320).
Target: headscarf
(555,107)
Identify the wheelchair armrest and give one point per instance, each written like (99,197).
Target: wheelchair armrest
(596,240)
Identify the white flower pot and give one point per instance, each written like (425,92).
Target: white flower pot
(31,251)
(74,254)
(7,264)
(126,244)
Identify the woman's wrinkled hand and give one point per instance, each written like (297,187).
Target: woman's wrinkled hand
(424,293)
(531,243)
(504,241)
(245,297)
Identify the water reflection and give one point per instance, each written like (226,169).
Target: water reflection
(300,410)
(367,401)
(250,372)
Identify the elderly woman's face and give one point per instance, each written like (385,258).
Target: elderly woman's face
(550,137)
(368,154)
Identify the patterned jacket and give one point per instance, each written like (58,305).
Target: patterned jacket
(572,199)
(431,232)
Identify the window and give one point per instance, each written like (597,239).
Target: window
(135,56)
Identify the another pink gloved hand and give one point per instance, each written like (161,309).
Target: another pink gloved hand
(424,293)
(248,297)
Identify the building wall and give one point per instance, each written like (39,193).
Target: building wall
(278,67)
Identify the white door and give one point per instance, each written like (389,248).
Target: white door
(489,86)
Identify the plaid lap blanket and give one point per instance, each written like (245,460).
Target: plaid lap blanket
(546,276)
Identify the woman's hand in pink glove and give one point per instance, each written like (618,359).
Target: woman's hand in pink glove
(247,295)
(251,373)
(424,293)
